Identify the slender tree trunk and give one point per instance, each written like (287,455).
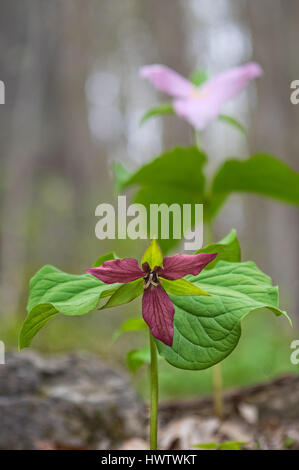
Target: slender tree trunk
(273,227)
(23,151)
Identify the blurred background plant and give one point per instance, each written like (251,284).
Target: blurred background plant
(73,105)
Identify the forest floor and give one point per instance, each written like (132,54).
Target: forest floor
(264,416)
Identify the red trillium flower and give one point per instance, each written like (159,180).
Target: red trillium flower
(157,277)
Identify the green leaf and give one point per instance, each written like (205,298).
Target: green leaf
(137,357)
(207,446)
(261,174)
(226,445)
(125,293)
(228,249)
(132,324)
(52,291)
(159,110)
(207,329)
(177,168)
(175,177)
(199,77)
(153,255)
(121,176)
(103,258)
(181,287)
(231,445)
(233,122)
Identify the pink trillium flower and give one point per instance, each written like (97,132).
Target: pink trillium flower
(200,105)
(156,276)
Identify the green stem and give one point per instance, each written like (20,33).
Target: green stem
(154,394)
(217,369)
(217,390)
(197,138)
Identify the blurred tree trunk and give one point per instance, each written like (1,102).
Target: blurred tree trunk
(23,152)
(76,41)
(159,15)
(274,233)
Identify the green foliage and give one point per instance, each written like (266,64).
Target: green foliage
(207,329)
(228,249)
(198,77)
(159,110)
(132,324)
(177,177)
(153,255)
(180,168)
(125,293)
(107,257)
(232,122)
(261,174)
(181,287)
(137,357)
(173,177)
(52,291)
(226,445)
(121,176)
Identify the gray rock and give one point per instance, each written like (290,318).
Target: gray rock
(72,401)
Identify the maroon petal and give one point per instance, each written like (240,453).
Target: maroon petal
(177,266)
(118,270)
(158,312)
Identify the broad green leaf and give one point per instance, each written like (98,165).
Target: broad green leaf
(125,293)
(199,76)
(261,174)
(181,287)
(159,110)
(132,324)
(53,291)
(177,168)
(137,357)
(103,258)
(207,329)
(233,122)
(153,255)
(121,176)
(175,177)
(228,249)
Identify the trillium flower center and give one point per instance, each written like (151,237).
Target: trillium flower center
(197,94)
(151,278)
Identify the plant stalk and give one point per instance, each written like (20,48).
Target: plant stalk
(154,394)
(216,369)
(217,390)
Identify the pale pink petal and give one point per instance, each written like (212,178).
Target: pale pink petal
(178,266)
(198,112)
(167,80)
(228,84)
(118,270)
(158,312)
(205,103)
